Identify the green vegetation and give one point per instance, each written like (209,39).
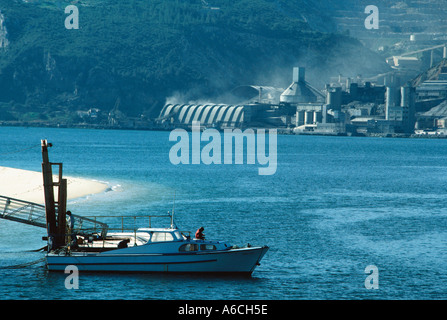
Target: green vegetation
(133,54)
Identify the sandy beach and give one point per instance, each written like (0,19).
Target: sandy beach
(27,185)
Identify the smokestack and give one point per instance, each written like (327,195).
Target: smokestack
(299,74)
(295,74)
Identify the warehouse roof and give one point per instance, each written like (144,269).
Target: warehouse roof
(205,114)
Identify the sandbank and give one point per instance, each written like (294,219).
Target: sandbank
(28,185)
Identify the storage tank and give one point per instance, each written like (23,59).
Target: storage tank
(405,96)
(390,100)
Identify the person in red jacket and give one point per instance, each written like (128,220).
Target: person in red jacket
(199,234)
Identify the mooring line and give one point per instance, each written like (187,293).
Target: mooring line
(24,265)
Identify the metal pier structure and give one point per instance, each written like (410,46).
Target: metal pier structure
(34,214)
(63,229)
(22,211)
(53,215)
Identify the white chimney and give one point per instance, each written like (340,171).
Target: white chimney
(299,74)
(295,74)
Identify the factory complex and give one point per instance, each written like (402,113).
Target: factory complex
(403,102)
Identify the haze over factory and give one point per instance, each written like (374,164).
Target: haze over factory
(407,100)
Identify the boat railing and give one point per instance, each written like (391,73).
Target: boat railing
(89,225)
(118,228)
(118,223)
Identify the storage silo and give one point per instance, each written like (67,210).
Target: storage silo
(300,91)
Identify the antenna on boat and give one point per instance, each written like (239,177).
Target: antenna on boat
(172,214)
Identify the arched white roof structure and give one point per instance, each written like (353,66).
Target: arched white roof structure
(227,115)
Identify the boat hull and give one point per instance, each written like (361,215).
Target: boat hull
(243,260)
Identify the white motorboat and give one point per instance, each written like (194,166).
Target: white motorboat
(92,246)
(157,250)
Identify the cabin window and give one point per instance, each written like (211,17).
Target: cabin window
(207,247)
(162,236)
(189,247)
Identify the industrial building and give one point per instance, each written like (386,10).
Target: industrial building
(400,108)
(350,107)
(431,99)
(262,106)
(433,118)
(225,116)
(433,89)
(353,108)
(208,115)
(300,91)
(308,102)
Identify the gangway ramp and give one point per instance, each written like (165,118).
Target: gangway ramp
(34,214)
(22,211)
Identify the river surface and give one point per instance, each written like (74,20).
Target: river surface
(335,206)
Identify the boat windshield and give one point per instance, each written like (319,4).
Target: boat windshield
(162,236)
(178,235)
(158,236)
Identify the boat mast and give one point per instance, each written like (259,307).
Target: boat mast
(55,211)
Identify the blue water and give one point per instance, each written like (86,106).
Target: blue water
(334,206)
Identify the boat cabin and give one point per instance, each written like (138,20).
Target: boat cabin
(150,236)
(166,235)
